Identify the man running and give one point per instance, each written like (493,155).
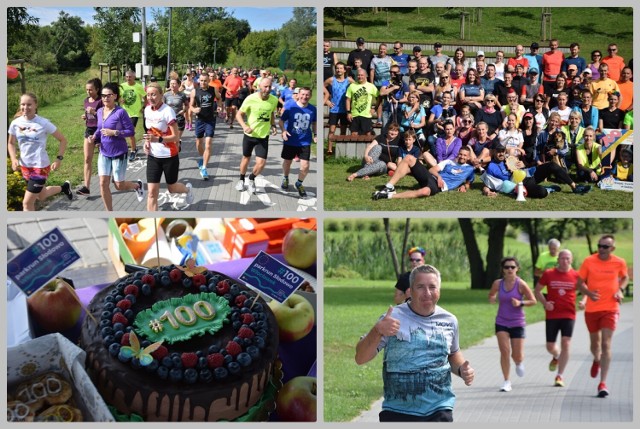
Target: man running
(132,98)
(602,278)
(259,109)
(298,125)
(203,104)
(232,84)
(560,309)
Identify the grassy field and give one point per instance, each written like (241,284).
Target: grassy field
(352,305)
(592,27)
(342,195)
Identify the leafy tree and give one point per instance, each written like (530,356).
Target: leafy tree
(260,48)
(304,58)
(18,20)
(299,28)
(68,41)
(483,275)
(114,36)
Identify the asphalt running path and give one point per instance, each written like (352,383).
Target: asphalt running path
(534,398)
(218,193)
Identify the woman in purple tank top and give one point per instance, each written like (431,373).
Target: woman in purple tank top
(511,293)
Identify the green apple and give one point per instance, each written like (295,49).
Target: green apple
(299,247)
(55,307)
(296,401)
(295,317)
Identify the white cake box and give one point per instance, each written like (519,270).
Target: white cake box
(55,353)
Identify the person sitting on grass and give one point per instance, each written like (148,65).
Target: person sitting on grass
(445,176)
(623,168)
(499,178)
(380,155)
(588,157)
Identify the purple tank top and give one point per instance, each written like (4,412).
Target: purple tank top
(508,315)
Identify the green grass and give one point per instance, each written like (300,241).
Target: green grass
(592,27)
(351,308)
(342,195)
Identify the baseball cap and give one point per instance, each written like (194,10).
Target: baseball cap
(359,41)
(437,45)
(528,115)
(153,79)
(480,54)
(296,91)
(417,49)
(535,45)
(533,70)
(499,147)
(587,70)
(572,67)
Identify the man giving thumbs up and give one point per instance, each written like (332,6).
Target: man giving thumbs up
(421,351)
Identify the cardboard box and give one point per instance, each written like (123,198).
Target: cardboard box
(55,353)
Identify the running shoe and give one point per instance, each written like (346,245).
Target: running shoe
(132,155)
(506,386)
(66,189)
(520,369)
(204,173)
(84,191)
(553,188)
(382,194)
(189,198)
(559,381)
(595,369)
(140,192)
(240,185)
(285,183)
(581,189)
(603,392)
(553,365)
(301,191)
(252,187)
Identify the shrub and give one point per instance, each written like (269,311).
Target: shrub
(16,188)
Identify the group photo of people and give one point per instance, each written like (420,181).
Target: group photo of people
(457,117)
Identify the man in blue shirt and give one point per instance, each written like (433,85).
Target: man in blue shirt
(400,58)
(298,125)
(445,176)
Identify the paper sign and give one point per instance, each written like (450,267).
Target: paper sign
(271,277)
(41,261)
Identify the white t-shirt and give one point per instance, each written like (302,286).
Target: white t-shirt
(157,122)
(32,139)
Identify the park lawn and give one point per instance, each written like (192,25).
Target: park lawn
(340,194)
(352,307)
(592,27)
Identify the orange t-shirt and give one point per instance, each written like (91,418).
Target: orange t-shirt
(626,90)
(603,276)
(616,64)
(551,64)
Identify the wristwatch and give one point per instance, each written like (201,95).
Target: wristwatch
(116,133)
(160,139)
(60,157)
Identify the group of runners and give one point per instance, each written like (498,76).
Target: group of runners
(196,101)
(537,108)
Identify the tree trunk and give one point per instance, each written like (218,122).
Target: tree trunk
(394,257)
(495,250)
(534,239)
(404,244)
(473,254)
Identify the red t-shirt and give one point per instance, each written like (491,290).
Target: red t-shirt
(513,62)
(551,64)
(561,290)
(233,85)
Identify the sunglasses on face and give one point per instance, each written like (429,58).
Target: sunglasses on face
(509,267)
(603,246)
(106,95)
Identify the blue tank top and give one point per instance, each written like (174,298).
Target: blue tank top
(508,315)
(339,95)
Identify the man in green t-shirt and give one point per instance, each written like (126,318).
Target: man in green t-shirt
(547,260)
(132,99)
(360,97)
(256,115)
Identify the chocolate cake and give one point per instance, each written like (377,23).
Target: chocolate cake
(180,344)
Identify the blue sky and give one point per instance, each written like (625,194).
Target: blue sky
(260,18)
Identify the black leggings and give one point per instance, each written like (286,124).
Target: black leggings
(542,173)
